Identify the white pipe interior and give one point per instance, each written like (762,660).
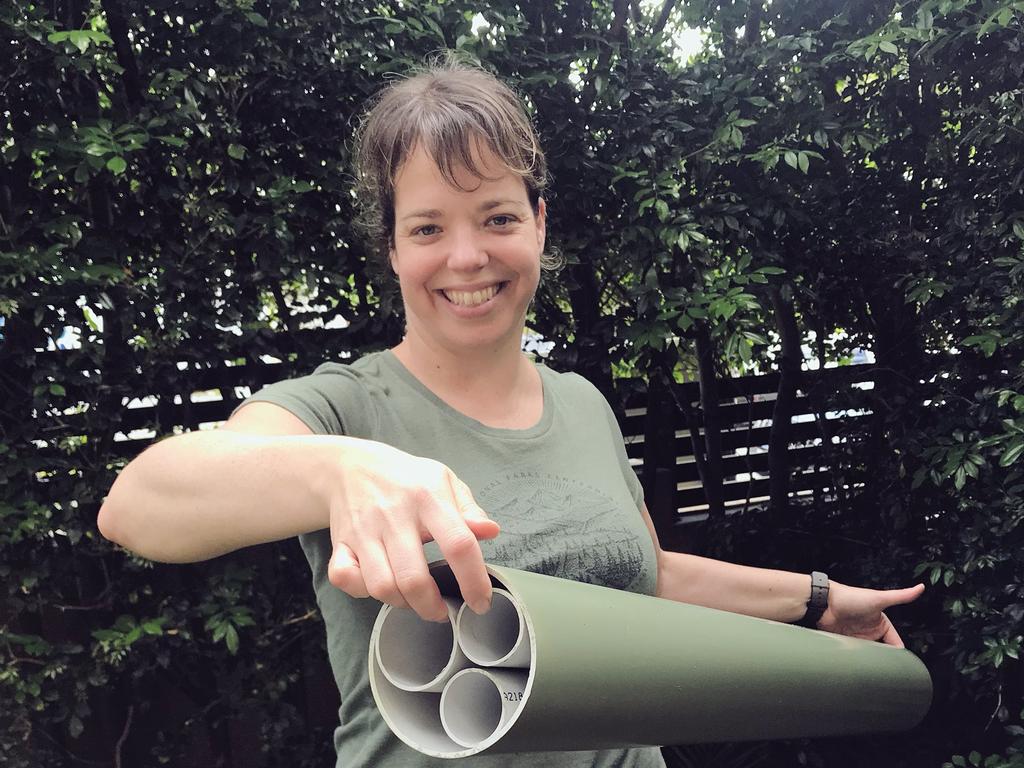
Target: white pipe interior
(471,708)
(412,652)
(489,638)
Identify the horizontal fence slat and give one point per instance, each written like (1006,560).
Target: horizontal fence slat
(743,437)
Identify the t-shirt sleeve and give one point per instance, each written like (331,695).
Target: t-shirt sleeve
(333,400)
(628,474)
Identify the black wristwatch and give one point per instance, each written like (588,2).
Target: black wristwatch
(818,601)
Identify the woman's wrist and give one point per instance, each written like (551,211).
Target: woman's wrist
(817,601)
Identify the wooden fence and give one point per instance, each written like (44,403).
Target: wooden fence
(663,433)
(657,434)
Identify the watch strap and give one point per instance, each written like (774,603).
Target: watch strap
(818,601)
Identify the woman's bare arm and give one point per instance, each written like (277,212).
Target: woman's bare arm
(260,479)
(777,595)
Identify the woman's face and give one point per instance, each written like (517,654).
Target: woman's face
(468,262)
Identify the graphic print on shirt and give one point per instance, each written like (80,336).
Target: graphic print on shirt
(561,527)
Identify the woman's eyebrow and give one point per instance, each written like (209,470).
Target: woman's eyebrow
(432,213)
(498,204)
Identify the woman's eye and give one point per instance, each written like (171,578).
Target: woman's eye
(426,230)
(502,220)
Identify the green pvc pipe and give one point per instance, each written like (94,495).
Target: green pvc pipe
(611,669)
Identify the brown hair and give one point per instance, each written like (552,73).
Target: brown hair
(449,107)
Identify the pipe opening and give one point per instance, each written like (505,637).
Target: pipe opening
(491,639)
(471,708)
(413,653)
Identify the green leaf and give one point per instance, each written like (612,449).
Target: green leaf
(174,141)
(803,161)
(116,165)
(790,158)
(153,627)
(1012,452)
(231,638)
(237,151)
(888,47)
(1018,228)
(80,38)
(57,390)
(256,18)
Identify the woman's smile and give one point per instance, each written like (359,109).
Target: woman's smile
(472,298)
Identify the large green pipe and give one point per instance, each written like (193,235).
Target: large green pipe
(610,669)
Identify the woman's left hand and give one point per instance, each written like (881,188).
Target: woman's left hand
(860,612)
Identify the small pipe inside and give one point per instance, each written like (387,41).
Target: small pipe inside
(489,638)
(413,652)
(471,708)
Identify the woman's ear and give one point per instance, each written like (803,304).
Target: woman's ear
(542,214)
(393,260)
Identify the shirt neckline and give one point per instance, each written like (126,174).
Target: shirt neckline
(543,424)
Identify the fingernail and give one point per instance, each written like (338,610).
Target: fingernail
(480,607)
(442,617)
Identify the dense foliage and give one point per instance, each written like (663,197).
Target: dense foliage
(819,177)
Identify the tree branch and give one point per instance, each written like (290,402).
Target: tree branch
(124,736)
(621,14)
(752,29)
(663,17)
(125,57)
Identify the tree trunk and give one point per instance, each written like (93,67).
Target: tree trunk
(660,458)
(782,414)
(712,476)
(118,27)
(591,360)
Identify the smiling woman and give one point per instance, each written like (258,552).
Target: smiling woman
(452,444)
(467,258)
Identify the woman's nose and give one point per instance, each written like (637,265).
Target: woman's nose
(467,252)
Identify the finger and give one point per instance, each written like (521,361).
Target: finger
(477,520)
(343,571)
(902,596)
(412,577)
(377,575)
(460,548)
(891,636)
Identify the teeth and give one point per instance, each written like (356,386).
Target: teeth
(471,298)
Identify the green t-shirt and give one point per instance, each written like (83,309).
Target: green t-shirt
(562,491)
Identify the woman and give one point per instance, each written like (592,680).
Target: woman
(387,463)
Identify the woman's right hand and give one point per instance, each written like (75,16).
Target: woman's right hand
(385,504)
